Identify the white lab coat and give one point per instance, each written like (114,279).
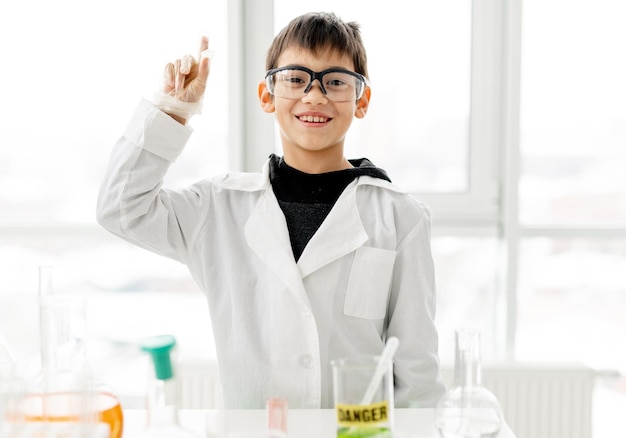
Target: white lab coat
(366,274)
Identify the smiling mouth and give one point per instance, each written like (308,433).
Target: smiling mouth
(314,119)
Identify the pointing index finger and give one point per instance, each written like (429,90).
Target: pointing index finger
(204,59)
(204,45)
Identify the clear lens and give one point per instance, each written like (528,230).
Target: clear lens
(289,84)
(294,84)
(342,85)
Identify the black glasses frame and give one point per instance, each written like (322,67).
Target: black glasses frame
(319,75)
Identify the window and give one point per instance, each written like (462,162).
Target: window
(572,191)
(76,83)
(571,299)
(573,120)
(418,126)
(77,71)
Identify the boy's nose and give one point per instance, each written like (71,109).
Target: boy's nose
(315,94)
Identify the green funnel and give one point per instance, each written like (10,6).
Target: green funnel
(159,348)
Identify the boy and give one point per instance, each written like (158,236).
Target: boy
(316,257)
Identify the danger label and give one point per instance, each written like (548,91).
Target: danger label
(355,415)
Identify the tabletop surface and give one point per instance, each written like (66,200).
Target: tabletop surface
(301,423)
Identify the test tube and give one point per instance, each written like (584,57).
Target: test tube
(277,418)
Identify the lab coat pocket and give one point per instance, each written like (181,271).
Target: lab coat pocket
(369,283)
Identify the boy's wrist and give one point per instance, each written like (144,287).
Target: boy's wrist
(179,119)
(176,108)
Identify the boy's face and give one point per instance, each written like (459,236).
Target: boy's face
(313,128)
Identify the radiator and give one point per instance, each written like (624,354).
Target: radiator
(200,386)
(538,400)
(542,400)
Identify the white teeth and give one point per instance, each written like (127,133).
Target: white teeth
(314,119)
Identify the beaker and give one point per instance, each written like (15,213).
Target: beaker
(65,391)
(359,416)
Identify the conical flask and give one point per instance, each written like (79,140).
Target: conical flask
(468,409)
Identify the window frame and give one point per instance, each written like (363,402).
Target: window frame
(479,207)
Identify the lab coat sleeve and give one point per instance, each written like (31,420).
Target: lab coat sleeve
(412,305)
(132,203)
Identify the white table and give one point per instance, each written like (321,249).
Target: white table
(301,423)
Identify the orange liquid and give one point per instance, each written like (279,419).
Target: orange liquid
(69,407)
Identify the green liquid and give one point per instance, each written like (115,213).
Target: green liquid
(363,432)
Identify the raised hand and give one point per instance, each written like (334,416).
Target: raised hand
(184,83)
(186,78)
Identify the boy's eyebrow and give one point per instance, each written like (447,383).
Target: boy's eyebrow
(327,68)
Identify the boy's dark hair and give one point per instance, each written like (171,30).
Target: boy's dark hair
(318,31)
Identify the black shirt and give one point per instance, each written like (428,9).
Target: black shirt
(306,199)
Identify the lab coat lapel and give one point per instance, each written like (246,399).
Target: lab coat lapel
(266,233)
(341,233)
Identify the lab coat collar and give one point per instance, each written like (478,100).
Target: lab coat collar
(248,182)
(260,181)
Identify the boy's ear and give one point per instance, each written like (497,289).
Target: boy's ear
(265,98)
(363,103)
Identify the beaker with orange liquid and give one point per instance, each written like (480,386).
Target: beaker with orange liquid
(65,392)
(74,407)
